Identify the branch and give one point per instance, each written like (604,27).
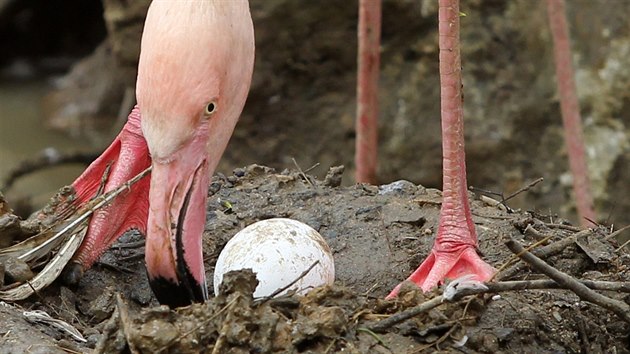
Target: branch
(545,252)
(621,309)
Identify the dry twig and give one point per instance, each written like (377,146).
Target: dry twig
(617,233)
(302,173)
(621,309)
(125,323)
(490,288)
(278,291)
(545,252)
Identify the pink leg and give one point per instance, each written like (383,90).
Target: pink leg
(366,155)
(570,108)
(454,252)
(127,156)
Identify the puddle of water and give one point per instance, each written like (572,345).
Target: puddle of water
(23,136)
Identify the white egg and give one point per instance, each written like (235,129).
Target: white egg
(278,251)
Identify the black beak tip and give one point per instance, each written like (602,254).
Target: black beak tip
(174,294)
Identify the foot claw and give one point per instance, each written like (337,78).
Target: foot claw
(73,273)
(448,265)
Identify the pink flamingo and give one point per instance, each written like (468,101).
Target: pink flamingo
(454,252)
(570,108)
(368,60)
(193,81)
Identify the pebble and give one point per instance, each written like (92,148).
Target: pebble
(17,269)
(400,187)
(102,307)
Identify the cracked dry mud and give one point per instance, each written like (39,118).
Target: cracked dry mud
(378,236)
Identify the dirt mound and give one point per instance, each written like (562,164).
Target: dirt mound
(378,236)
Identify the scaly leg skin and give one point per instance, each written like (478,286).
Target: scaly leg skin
(454,252)
(127,156)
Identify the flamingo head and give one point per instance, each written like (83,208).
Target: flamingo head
(194,73)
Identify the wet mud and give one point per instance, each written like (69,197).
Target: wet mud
(378,234)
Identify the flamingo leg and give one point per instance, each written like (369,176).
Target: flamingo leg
(454,252)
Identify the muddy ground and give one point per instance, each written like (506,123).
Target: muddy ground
(378,236)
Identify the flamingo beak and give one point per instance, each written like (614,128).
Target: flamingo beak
(177,216)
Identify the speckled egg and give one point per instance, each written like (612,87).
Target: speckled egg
(278,251)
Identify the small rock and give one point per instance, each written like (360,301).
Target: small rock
(325,322)
(400,187)
(214,187)
(243,281)
(490,343)
(102,307)
(92,339)
(503,333)
(9,228)
(258,170)
(334,176)
(598,251)
(155,334)
(68,297)
(141,295)
(17,270)
(557,316)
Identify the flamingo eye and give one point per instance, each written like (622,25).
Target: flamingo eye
(211,107)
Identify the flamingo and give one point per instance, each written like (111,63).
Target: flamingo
(454,251)
(190,92)
(194,75)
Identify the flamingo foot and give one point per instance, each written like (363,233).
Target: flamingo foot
(127,156)
(441,265)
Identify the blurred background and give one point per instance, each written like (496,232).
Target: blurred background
(67,75)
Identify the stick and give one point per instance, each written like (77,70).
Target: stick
(545,252)
(497,287)
(621,309)
(278,291)
(551,225)
(125,323)
(538,284)
(89,209)
(302,172)
(202,324)
(522,189)
(109,329)
(617,233)
(503,202)
(393,320)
